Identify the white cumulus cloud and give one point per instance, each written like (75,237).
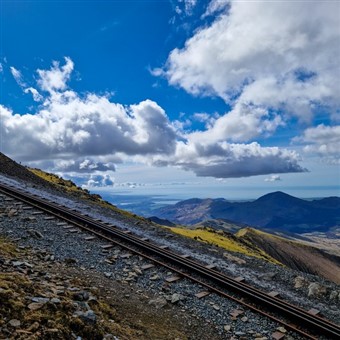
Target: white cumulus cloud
(215,6)
(263,59)
(56,78)
(323,141)
(82,165)
(99,181)
(87,134)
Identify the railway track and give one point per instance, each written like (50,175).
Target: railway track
(310,326)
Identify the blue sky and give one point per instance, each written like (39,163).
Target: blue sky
(223,96)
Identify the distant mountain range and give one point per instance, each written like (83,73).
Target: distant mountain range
(274,211)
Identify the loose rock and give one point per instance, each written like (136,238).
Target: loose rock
(158,302)
(15,323)
(316,289)
(300,282)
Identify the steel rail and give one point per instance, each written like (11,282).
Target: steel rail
(322,325)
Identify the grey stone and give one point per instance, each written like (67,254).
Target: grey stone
(158,302)
(240,333)
(300,282)
(316,289)
(12,212)
(81,296)
(268,276)
(176,297)
(154,277)
(88,316)
(35,306)
(334,295)
(15,323)
(56,300)
(281,329)
(39,299)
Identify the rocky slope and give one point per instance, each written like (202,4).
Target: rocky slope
(44,299)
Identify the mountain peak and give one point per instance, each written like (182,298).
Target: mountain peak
(277,196)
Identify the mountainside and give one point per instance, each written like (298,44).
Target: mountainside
(276,211)
(48,181)
(279,250)
(293,254)
(11,168)
(161,221)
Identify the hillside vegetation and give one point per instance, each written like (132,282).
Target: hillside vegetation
(224,240)
(71,188)
(68,185)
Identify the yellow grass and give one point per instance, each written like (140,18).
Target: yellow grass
(71,187)
(7,248)
(52,178)
(224,241)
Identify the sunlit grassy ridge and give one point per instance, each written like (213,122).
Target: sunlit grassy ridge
(67,185)
(225,241)
(248,232)
(71,187)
